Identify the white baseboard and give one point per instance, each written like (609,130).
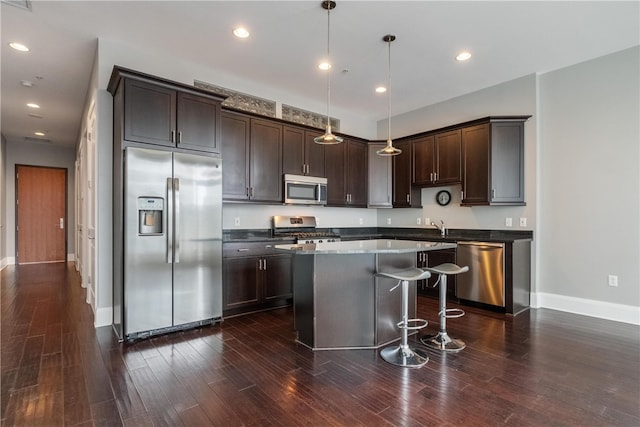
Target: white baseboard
(603,310)
(10,260)
(103,317)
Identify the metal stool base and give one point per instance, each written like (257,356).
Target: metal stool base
(404,356)
(443,342)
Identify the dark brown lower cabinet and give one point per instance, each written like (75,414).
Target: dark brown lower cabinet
(432,259)
(254,277)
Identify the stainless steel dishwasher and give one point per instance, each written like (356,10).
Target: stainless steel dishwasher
(484,282)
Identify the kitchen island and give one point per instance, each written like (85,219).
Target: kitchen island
(338,301)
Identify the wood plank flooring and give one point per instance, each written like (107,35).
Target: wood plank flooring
(542,368)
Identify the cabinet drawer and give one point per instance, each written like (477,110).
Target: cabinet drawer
(250,249)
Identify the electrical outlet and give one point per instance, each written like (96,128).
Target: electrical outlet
(613,280)
(388,221)
(317,221)
(419,221)
(523,222)
(236,221)
(427,220)
(360,221)
(508,222)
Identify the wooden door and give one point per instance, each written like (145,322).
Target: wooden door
(41,214)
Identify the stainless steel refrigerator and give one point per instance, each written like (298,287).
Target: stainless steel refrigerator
(172,242)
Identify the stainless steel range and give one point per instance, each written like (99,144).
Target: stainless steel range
(303,229)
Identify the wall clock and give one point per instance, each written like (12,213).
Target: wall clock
(443,197)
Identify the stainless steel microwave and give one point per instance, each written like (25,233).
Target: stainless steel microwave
(305,190)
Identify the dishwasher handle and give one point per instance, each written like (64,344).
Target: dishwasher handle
(490,244)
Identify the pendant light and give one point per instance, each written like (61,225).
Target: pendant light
(389,150)
(328,137)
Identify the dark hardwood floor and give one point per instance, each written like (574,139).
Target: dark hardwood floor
(542,368)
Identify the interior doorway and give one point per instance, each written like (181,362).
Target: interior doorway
(41,214)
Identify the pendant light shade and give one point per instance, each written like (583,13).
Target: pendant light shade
(328,137)
(389,149)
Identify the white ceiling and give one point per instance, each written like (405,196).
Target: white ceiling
(508,39)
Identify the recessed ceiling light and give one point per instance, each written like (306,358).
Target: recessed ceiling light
(26,83)
(19,46)
(241,32)
(39,133)
(33,105)
(324,66)
(381,89)
(463,56)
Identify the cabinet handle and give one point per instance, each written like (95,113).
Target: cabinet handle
(173,136)
(493,193)
(435,176)
(431,177)
(179,137)
(243,250)
(462,195)
(264,264)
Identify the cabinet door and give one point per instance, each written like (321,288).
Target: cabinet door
(356,171)
(313,154)
(265,161)
(475,164)
(404,195)
(507,163)
(447,157)
(234,145)
(198,123)
(380,178)
(335,157)
(149,113)
(277,277)
(293,150)
(423,160)
(241,283)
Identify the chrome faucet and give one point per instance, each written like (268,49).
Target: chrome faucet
(442,228)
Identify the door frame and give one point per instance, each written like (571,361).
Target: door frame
(66,207)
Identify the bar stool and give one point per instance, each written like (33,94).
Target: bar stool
(442,340)
(403,354)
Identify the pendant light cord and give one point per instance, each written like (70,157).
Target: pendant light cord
(389,94)
(329,65)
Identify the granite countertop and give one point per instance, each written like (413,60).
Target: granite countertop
(424,234)
(365,247)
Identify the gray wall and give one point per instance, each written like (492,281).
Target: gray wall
(3,202)
(590,179)
(33,154)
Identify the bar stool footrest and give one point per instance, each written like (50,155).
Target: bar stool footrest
(417,324)
(452,313)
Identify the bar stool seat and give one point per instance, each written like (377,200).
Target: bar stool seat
(403,354)
(442,341)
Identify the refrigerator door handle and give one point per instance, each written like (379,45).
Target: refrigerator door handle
(176,222)
(169,220)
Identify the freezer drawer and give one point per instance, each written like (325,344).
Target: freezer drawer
(484,282)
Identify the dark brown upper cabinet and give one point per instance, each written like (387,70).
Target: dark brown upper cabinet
(404,194)
(161,115)
(346,171)
(300,155)
(436,159)
(493,162)
(252,156)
